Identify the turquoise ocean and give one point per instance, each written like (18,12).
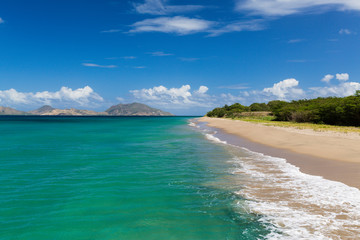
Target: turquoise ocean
(157,178)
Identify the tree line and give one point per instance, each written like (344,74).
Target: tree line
(343,111)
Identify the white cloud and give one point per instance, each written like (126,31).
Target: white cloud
(341,90)
(202,90)
(327,78)
(184,59)
(159,7)
(13,96)
(285,89)
(342,76)
(120,99)
(125,57)
(238,26)
(178,25)
(1,20)
(180,98)
(111,31)
(161,92)
(345,31)
(288,90)
(288,7)
(184,26)
(296,40)
(160,54)
(81,96)
(129,57)
(228,98)
(98,66)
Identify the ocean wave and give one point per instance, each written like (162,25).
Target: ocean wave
(291,204)
(296,205)
(194,124)
(212,138)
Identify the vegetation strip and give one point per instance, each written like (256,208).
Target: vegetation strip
(320,114)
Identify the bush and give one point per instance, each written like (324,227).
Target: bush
(331,110)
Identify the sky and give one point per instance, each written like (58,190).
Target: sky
(182,56)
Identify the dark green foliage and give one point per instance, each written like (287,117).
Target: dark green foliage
(257,107)
(331,110)
(228,111)
(276,105)
(217,112)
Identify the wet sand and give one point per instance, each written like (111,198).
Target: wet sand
(335,157)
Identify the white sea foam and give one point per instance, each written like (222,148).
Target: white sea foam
(294,205)
(193,123)
(211,137)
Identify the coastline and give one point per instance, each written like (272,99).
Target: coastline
(334,157)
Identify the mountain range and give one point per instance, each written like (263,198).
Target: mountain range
(131,109)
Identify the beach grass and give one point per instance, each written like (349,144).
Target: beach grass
(269,121)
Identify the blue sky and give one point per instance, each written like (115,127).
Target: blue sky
(183,56)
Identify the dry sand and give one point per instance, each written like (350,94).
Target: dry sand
(335,156)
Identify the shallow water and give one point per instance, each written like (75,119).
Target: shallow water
(157,178)
(117,178)
(293,204)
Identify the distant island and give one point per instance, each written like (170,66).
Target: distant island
(131,109)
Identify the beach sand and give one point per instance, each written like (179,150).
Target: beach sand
(335,156)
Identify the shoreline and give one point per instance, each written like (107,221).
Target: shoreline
(332,157)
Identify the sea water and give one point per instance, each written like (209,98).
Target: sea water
(157,178)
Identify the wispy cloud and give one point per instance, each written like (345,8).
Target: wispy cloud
(120,99)
(139,67)
(345,31)
(1,20)
(237,26)
(184,26)
(112,31)
(160,54)
(125,57)
(178,25)
(296,40)
(129,57)
(98,66)
(160,7)
(235,87)
(283,8)
(258,13)
(185,59)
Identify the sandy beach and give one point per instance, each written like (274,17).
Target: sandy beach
(335,156)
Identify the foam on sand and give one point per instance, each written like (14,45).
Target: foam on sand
(211,137)
(298,205)
(292,204)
